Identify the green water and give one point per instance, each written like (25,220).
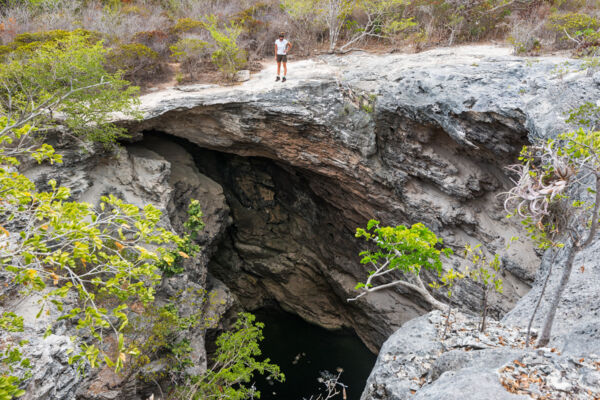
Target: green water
(302,350)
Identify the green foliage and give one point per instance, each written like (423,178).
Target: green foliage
(135,61)
(578,28)
(485,272)
(190,53)
(446,281)
(172,262)
(30,41)
(9,388)
(234,365)
(65,78)
(587,115)
(187,25)
(55,246)
(227,54)
(405,249)
(159,333)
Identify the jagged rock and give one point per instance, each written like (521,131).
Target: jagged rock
(417,362)
(577,324)
(423,139)
(166,178)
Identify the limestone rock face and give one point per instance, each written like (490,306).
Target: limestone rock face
(419,362)
(401,138)
(166,178)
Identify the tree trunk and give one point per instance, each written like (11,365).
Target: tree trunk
(547,329)
(539,300)
(447,319)
(484,310)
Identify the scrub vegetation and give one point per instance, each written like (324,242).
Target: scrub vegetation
(152,41)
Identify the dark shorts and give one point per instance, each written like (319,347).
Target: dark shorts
(281,57)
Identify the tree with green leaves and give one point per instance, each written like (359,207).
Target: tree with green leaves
(50,244)
(234,365)
(485,271)
(104,257)
(383,20)
(64,81)
(548,198)
(227,55)
(399,255)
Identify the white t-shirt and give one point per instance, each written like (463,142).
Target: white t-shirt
(281,45)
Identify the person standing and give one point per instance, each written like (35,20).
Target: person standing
(282,47)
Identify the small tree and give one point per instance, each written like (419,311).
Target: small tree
(227,55)
(445,284)
(67,79)
(383,19)
(546,196)
(332,13)
(190,53)
(485,272)
(234,365)
(400,249)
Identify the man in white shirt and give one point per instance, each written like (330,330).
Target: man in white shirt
(282,47)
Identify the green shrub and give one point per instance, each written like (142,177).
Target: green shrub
(227,56)
(27,42)
(139,63)
(190,53)
(187,25)
(580,30)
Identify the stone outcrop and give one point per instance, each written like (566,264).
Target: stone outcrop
(419,362)
(286,172)
(159,172)
(401,138)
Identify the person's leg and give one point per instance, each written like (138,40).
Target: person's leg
(284,68)
(278,67)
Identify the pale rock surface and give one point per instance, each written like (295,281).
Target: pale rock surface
(401,137)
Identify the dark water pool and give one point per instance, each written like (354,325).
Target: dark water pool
(302,350)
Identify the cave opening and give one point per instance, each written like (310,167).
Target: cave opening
(280,257)
(303,351)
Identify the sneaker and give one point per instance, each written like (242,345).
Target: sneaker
(283,79)
(277,79)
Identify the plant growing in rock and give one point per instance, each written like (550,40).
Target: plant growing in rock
(556,213)
(233,365)
(400,254)
(445,284)
(485,272)
(49,244)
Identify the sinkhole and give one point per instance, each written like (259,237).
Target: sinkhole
(303,351)
(289,240)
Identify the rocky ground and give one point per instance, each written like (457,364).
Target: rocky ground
(426,360)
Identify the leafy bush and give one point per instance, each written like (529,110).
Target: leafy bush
(159,41)
(83,91)
(190,53)
(138,63)
(184,25)
(578,29)
(234,364)
(27,42)
(227,55)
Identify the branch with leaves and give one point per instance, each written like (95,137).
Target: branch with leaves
(401,253)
